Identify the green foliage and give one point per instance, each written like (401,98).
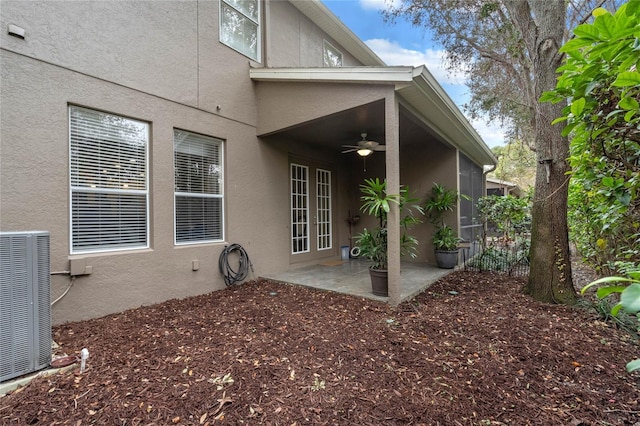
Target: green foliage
(376,202)
(503,258)
(441,201)
(516,163)
(509,214)
(629,293)
(601,79)
(510,252)
(445,239)
(436,206)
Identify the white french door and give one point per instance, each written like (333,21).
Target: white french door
(311,212)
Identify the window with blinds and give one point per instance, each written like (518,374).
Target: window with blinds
(240,26)
(198,188)
(108,181)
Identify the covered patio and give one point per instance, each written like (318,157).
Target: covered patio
(352,277)
(315,115)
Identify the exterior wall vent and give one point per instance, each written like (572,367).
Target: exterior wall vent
(25,307)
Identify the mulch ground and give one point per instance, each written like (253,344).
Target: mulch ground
(471,350)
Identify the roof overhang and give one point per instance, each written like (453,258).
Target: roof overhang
(417,90)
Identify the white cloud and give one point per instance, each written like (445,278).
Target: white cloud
(379,4)
(491,134)
(393,54)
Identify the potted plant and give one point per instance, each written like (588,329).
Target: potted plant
(445,241)
(373,243)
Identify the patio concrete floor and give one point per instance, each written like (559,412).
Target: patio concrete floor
(352,277)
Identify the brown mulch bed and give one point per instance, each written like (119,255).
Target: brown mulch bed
(471,350)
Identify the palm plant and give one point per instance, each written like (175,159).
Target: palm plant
(442,201)
(376,202)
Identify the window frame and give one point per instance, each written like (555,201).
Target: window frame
(103,190)
(258,24)
(299,208)
(220,148)
(328,47)
(324,210)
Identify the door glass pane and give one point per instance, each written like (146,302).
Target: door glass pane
(299,209)
(323,206)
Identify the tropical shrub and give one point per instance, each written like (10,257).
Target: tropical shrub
(377,202)
(509,214)
(601,80)
(629,292)
(441,201)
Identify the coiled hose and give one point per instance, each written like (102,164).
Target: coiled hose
(232,276)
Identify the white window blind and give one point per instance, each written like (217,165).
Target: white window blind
(240,26)
(108,181)
(198,188)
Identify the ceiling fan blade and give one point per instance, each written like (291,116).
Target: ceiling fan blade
(380,148)
(350,150)
(351,146)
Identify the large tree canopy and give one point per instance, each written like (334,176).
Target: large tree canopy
(490,42)
(510,49)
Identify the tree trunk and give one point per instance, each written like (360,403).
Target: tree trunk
(550,276)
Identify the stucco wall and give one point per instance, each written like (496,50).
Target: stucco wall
(35,194)
(162,63)
(159,62)
(286,104)
(152,46)
(297,41)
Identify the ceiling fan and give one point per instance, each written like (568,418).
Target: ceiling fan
(364,147)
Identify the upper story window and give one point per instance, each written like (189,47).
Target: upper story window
(240,26)
(332,57)
(108,162)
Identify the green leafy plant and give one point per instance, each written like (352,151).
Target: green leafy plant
(601,81)
(376,202)
(509,214)
(441,201)
(445,239)
(629,293)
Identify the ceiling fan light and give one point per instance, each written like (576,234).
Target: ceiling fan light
(363,152)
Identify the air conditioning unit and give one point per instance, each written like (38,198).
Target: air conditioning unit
(25,306)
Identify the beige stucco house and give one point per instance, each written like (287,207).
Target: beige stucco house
(145,136)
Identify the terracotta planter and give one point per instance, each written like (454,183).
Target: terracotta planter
(379,282)
(447,259)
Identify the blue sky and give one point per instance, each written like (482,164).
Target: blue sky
(400,43)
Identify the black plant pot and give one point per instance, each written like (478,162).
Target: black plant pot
(379,282)
(447,259)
